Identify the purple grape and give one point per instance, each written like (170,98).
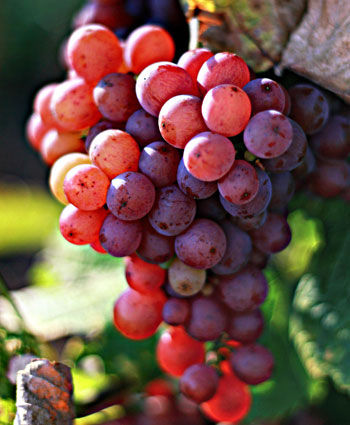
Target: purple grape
(241,184)
(176,311)
(143,127)
(199,382)
(154,247)
(202,245)
(193,187)
(159,162)
(330,178)
(283,187)
(293,156)
(172,212)
(208,319)
(211,208)
(333,142)
(245,290)
(268,134)
(265,94)
(259,259)
(120,238)
(130,196)
(253,364)
(310,108)
(250,222)
(307,166)
(257,205)
(245,327)
(239,246)
(273,236)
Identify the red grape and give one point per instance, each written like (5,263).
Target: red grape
(137,316)
(143,277)
(176,351)
(199,382)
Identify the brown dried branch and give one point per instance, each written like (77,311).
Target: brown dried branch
(44,394)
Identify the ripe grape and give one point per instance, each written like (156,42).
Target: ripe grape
(209,156)
(176,311)
(159,82)
(244,290)
(288,102)
(98,128)
(180,119)
(268,134)
(310,108)
(130,196)
(42,103)
(293,156)
(232,400)
(330,178)
(245,327)
(172,212)
(143,127)
(54,145)
(252,364)
(211,208)
(226,110)
(250,222)
(115,97)
(273,236)
(307,165)
(59,170)
(223,68)
(86,187)
(36,130)
(81,227)
(120,238)
(185,280)
(94,51)
(73,105)
(159,386)
(154,247)
(255,206)
(202,245)
(114,152)
(137,316)
(197,189)
(258,258)
(159,162)
(96,246)
(241,184)
(176,351)
(282,190)
(192,61)
(208,319)
(143,277)
(333,142)
(148,44)
(239,246)
(265,94)
(199,382)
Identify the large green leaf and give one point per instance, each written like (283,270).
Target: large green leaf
(321,321)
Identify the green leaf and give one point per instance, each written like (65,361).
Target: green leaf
(321,322)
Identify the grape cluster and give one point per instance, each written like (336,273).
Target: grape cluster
(192,165)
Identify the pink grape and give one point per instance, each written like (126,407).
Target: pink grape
(159,82)
(180,119)
(81,227)
(265,94)
(86,187)
(226,110)
(209,156)
(223,68)
(94,51)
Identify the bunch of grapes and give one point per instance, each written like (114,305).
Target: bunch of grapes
(186,170)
